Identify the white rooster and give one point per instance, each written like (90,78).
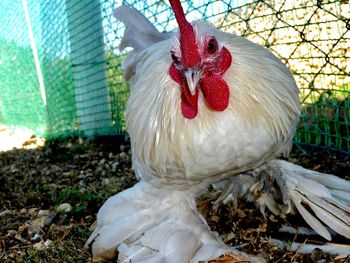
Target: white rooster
(206,107)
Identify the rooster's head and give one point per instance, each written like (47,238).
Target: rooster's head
(198,64)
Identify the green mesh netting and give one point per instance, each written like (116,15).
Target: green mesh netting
(20,98)
(77,43)
(57,68)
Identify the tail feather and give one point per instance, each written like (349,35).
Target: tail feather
(306,248)
(140,33)
(331,216)
(321,199)
(315,191)
(327,180)
(313,222)
(333,206)
(344,196)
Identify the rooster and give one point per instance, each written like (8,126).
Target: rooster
(206,107)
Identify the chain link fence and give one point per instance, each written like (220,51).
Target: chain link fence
(75,85)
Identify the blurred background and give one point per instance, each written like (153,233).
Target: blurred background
(60,67)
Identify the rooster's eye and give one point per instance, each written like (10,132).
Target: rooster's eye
(212,46)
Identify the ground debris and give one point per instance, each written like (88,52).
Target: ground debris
(51,194)
(64,208)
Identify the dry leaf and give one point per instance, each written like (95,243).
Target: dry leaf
(107,255)
(229,258)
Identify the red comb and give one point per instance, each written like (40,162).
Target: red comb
(189,50)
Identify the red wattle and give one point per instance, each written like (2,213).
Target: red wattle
(189,111)
(215,91)
(189,103)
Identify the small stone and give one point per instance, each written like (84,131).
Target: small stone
(64,208)
(123,156)
(36,238)
(316,255)
(115,166)
(106,181)
(33,211)
(69,173)
(23,211)
(11,233)
(99,169)
(5,213)
(40,246)
(48,243)
(42,213)
(122,148)
(81,184)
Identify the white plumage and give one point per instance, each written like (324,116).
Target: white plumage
(176,158)
(316,196)
(149,224)
(167,145)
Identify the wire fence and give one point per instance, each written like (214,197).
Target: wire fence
(80,64)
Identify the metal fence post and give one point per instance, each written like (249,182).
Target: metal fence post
(87,54)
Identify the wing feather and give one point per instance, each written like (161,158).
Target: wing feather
(309,218)
(330,215)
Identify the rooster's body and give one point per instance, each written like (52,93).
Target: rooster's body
(260,117)
(204,106)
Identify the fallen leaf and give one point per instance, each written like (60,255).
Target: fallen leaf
(107,255)
(229,258)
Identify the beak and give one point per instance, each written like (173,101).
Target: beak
(192,78)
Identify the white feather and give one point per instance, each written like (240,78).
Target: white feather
(309,218)
(344,195)
(333,218)
(327,180)
(156,220)
(148,224)
(305,248)
(306,187)
(333,206)
(139,33)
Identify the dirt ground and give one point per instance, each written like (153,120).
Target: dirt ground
(50,196)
